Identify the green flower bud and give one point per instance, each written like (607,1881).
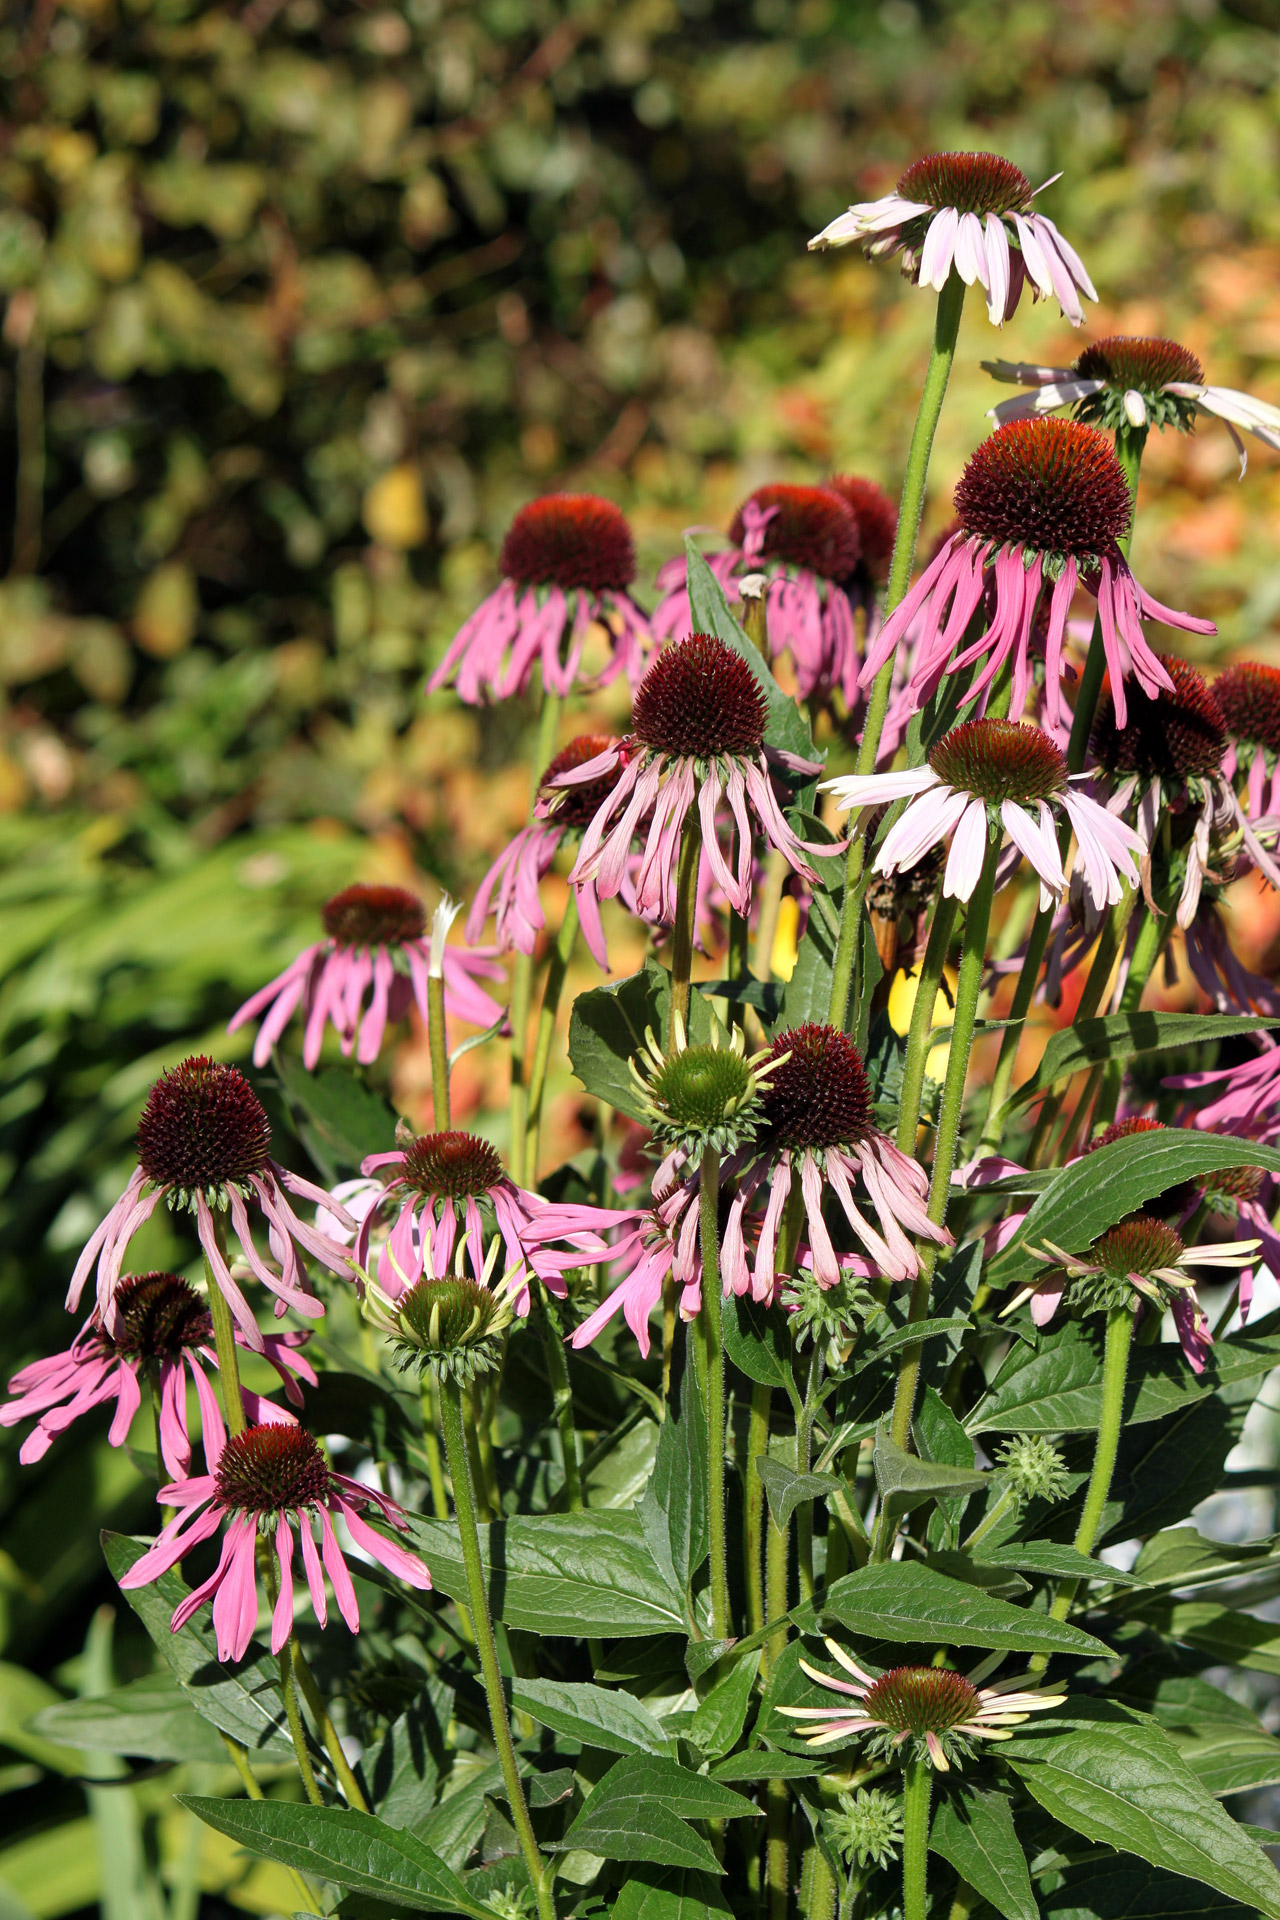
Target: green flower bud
(868,1827)
(454,1325)
(702,1096)
(1033,1468)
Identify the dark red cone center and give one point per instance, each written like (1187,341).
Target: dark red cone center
(203,1128)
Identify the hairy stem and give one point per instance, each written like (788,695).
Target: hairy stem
(968,989)
(918,1042)
(917,1789)
(753,1505)
(946,327)
(440,1115)
(522,971)
(297,1732)
(455,1442)
(712,1333)
(224,1340)
(561,955)
(682,933)
(328,1732)
(562,1398)
(431,1447)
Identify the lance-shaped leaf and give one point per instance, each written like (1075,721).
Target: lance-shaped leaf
(718,1722)
(786,1489)
(785,727)
(640,1811)
(334,1843)
(1118,1779)
(975,1833)
(598,1716)
(913,1603)
(673,1894)
(607,1029)
(1119,1036)
(152,1718)
(906,1481)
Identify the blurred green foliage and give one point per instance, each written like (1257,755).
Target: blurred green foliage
(300,301)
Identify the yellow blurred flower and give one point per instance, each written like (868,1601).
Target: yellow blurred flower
(395,514)
(902,1000)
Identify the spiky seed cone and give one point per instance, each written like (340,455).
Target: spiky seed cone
(203,1128)
(1051,486)
(700,699)
(363,916)
(970,182)
(570,540)
(267,1470)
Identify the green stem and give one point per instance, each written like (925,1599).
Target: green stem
(522,971)
(440,1116)
(753,1504)
(917,1788)
(1152,938)
(562,1399)
(1019,1007)
(1115,1369)
(682,933)
(1109,947)
(946,327)
(431,1447)
(770,895)
(297,1732)
(964,1019)
(328,1732)
(239,1758)
(561,955)
(224,1340)
(918,1043)
(712,1333)
(804,1448)
(817,1885)
(455,1442)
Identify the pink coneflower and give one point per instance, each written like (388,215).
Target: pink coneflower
(697,737)
(918,1712)
(990,776)
(817,1125)
(510,888)
(204,1146)
(807,541)
(1169,751)
(263,1483)
(657,1244)
(1042,505)
(566,562)
(442,1186)
(1129,380)
(1248,695)
(1249,1100)
(973,212)
(1143,1257)
(374,952)
(162,1327)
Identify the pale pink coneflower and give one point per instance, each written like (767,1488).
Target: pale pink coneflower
(1132,381)
(817,1126)
(918,1712)
(449,1192)
(370,968)
(990,776)
(697,739)
(1141,1258)
(162,1329)
(1041,505)
(1248,694)
(972,212)
(204,1147)
(263,1483)
(656,1244)
(806,542)
(567,562)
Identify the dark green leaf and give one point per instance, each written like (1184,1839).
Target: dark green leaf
(243,1700)
(607,1029)
(1102,1188)
(787,1489)
(671,1895)
(580,1574)
(1225,1745)
(338,1114)
(404,1771)
(905,1481)
(1055,1561)
(639,1811)
(1117,1890)
(785,728)
(1232,1638)
(1119,1036)
(673,1510)
(757,1341)
(1119,1780)
(598,1716)
(333,1843)
(974,1832)
(746,991)
(883,1338)
(759,1764)
(717,1725)
(913,1603)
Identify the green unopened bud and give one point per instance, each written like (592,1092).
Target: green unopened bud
(831,1314)
(1033,1468)
(453,1324)
(868,1827)
(702,1096)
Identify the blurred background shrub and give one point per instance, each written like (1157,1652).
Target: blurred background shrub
(301,298)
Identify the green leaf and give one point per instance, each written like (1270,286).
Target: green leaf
(905,1481)
(337,1113)
(1055,1561)
(1118,1779)
(760,1764)
(333,1843)
(1225,1745)
(711,612)
(673,1895)
(1231,1638)
(598,1716)
(786,1489)
(1102,1188)
(974,1832)
(1115,1890)
(582,1574)
(243,1700)
(639,1811)
(718,1722)
(673,1509)
(1182,1557)
(403,1772)
(757,1342)
(152,1718)
(1119,1036)
(913,1603)
(1056,1387)
(889,1339)
(607,1029)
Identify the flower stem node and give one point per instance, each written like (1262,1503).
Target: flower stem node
(702,1096)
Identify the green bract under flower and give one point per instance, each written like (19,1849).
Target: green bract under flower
(1033,1468)
(707,1095)
(1132,363)
(454,1324)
